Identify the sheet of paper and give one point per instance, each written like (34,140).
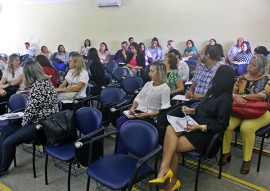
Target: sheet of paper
(180,97)
(126,113)
(16,115)
(179,123)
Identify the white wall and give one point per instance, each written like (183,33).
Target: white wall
(69,22)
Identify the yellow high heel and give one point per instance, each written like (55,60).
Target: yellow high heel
(176,186)
(169,174)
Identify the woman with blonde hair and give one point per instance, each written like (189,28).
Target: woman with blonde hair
(11,80)
(154,96)
(42,101)
(77,77)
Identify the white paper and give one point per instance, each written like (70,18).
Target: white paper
(179,123)
(180,97)
(16,115)
(126,113)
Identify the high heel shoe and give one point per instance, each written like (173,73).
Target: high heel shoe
(226,160)
(245,170)
(169,174)
(176,185)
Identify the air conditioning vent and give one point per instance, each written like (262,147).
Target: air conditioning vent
(109,3)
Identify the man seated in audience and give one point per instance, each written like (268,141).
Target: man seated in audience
(155,49)
(182,66)
(122,54)
(203,76)
(234,49)
(28,50)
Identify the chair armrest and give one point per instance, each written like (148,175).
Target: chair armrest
(119,106)
(86,139)
(142,161)
(87,98)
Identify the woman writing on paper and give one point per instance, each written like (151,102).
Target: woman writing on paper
(155,95)
(212,116)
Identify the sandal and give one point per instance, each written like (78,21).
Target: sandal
(245,167)
(226,158)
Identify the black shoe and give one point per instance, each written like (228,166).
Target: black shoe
(3,172)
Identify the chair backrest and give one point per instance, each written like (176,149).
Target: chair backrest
(131,84)
(241,69)
(139,137)
(213,146)
(194,58)
(191,63)
(17,102)
(110,66)
(88,120)
(119,73)
(111,95)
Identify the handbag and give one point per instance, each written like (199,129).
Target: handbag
(59,127)
(249,110)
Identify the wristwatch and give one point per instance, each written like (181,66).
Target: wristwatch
(244,96)
(204,128)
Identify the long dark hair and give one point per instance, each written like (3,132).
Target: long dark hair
(44,61)
(93,56)
(222,82)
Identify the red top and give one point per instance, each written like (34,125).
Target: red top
(52,73)
(133,62)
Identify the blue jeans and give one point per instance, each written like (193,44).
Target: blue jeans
(15,135)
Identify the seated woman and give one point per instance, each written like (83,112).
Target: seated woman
(97,76)
(191,49)
(42,102)
(103,53)
(48,68)
(11,80)
(212,116)
(46,52)
(252,86)
(174,80)
(147,55)
(77,77)
(85,48)
(155,95)
(135,61)
(244,55)
(60,59)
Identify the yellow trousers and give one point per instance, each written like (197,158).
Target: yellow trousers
(248,128)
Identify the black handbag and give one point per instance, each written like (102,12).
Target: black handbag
(59,127)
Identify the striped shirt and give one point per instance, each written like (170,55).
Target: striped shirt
(203,78)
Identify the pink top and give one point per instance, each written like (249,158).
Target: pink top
(133,62)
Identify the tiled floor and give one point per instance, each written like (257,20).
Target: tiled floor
(21,177)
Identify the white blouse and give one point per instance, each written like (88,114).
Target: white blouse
(153,98)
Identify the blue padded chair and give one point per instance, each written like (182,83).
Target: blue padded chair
(193,58)
(192,67)
(119,74)
(241,69)
(212,150)
(263,133)
(120,171)
(110,66)
(130,86)
(88,122)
